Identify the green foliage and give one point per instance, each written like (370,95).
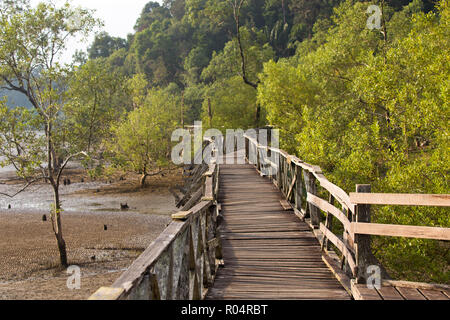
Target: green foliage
(374,108)
(32,40)
(18,128)
(193,42)
(142,141)
(97,97)
(104,45)
(233,106)
(233,103)
(37,142)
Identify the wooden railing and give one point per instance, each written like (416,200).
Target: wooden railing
(182,262)
(299,182)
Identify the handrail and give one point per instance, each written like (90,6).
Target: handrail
(391,230)
(292,176)
(316,171)
(400,199)
(298,179)
(182,262)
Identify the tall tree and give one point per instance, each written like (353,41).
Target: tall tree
(31,40)
(97,96)
(104,45)
(141,142)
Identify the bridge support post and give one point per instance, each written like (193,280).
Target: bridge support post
(247,150)
(363,243)
(298,188)
(311,187)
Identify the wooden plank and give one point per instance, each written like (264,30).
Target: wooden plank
(311,187)
(214,243)
(361,292)
(327,207)
(150,256)
(340,245)
(291,187)
(410,293)
(106,293)
(400,231)
(338,273)
(398,199)
(269,253)
(363,247)
(390,293)
(416,285)
(433,294)
(209,193)
(340,195)
(286,205)
(182,215)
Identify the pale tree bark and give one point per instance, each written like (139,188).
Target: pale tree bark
(57,227)
(44,89)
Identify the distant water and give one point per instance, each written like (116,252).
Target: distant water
(10,170)
(7,169)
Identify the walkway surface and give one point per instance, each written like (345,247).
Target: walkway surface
(268,252)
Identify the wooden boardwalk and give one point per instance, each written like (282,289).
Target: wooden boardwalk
(268,252)
(401,290)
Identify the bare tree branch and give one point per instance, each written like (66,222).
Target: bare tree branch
(237,5)
(21,190)
(67,161)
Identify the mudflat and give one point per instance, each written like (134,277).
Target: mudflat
(29,258)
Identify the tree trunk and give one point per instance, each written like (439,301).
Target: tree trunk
(142,181)
(258,116)
(57,228)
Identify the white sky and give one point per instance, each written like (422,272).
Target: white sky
(118,16)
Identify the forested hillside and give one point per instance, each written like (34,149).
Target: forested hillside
(368,106)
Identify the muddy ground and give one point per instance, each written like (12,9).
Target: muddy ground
(28,252)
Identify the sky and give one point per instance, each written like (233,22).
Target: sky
(118,16)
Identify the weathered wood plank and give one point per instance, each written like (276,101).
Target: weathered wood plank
(340,245)
(361,292)
(286,205)
(327,207)
(268,252)
(400,231)
(182,215)
(415,285)
(106,293)
(209,190)
(338,273)
(398,199)
(390,293)
(433,294)
(410,294)
(193,200)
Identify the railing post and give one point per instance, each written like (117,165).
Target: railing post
(279,172)
(311,187)
(247,149)
(363,242)
(258,155)
(329,226)
(298,188)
